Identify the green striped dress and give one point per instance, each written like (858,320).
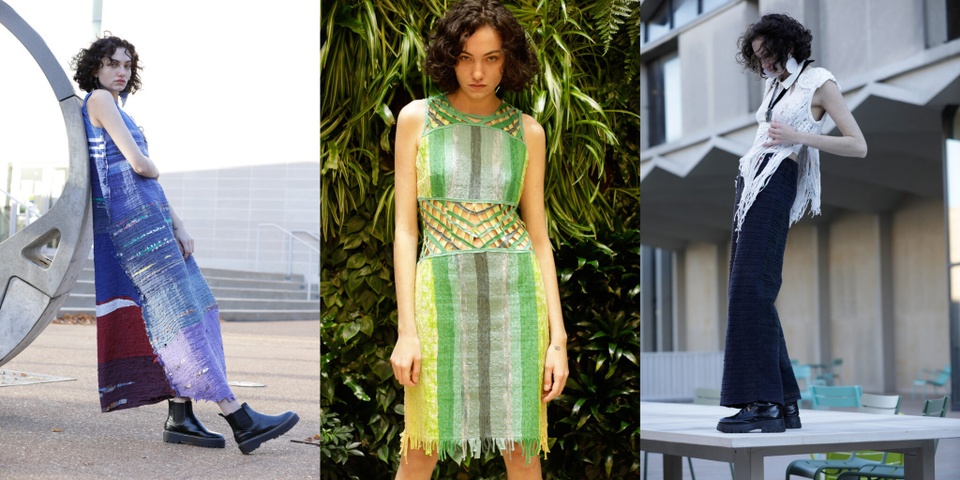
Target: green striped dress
(481,311)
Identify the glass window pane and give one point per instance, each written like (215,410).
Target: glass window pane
(672,98)
(659,23)
(709,5)
(684,11)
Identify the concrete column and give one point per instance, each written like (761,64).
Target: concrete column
(648,324)
(666,327)
(680,299)
(887,320)
(823,292)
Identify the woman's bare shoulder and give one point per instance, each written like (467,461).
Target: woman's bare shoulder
(413,111)
(532,129)
(100,97)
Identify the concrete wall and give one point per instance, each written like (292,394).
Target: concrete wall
(855,307)
(797,303)
(708,54)
(880,45)
(702,303)
(920,289)
(222,210)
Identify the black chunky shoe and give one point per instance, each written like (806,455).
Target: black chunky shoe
(791,415)
(250,429)
(765,416)
(182,426)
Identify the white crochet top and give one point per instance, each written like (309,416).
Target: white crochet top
(794,110)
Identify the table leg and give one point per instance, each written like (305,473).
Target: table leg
(920,463)
(672,467)
(747,465)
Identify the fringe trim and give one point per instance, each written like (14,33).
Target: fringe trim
(473,447)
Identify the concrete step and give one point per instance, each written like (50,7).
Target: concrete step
(89,287)
(88,274)
(241,295)
(231,315)
(81,300)
(268,282)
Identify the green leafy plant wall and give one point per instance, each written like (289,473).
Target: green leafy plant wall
(587,99)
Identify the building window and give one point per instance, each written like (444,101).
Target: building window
(670,14)
(953,20)
(664,99)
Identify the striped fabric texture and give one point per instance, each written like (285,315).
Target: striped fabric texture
(480,310)
(158,325)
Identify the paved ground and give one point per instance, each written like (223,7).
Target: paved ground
(56,430)
(948,456)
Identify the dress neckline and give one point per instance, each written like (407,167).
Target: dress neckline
(472,118)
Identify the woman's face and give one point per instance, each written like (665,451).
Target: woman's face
(115,70)
(767,60)
(480,65)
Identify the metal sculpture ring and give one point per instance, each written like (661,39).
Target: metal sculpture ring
(33,286)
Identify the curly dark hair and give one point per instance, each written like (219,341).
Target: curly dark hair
(782,36)
(463,19)
(88,61)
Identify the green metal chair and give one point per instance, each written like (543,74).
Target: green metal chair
(804,376)
(931,408)
(939,381)
(847,396)
(831,372)
(835,397)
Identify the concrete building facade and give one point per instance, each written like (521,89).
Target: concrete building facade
(869,280)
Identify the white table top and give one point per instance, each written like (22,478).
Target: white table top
(697,425)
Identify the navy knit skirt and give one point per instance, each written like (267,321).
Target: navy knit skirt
(756,366)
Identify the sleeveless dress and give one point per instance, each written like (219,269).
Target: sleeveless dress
(158,325)
(481,311)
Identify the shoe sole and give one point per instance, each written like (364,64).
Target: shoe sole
(174,437)
(765,426)
(255,442)
(791,422)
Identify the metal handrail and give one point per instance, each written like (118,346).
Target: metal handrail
(290,236)
(26,205)
(33,213)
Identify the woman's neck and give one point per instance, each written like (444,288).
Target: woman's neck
(474,106)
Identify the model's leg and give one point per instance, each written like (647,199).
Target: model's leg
(752,370)
(520,468)
(228,406)
(416,465)
(752,377)
(252,428)
(791,390)
(182,426)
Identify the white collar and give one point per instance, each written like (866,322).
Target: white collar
(794,69)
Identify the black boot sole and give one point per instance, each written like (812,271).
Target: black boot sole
(765,426)
(174,437)
(254,443)
(791,422)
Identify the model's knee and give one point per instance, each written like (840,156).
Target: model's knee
(518,464)
(415,464)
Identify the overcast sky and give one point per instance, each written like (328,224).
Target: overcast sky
(225,83)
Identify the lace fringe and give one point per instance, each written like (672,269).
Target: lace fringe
(473,447)
(808,185)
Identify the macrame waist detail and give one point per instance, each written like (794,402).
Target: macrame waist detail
(451,226)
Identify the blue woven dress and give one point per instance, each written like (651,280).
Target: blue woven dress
(158,324)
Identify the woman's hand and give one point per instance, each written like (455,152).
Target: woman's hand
(184,240)
(405,360)
(555,371)
(781,134)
